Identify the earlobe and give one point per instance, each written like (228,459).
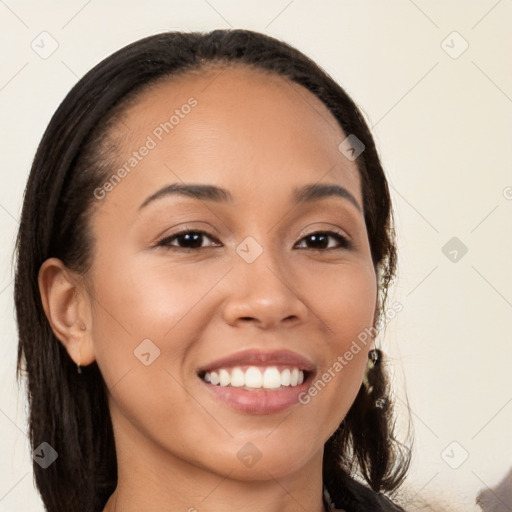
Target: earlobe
(67,310)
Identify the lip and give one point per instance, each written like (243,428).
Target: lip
(261,401)
(257,357)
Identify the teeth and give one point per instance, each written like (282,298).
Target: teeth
(253,378)
(271,378)
(224,377)
(214,378)
(237,378)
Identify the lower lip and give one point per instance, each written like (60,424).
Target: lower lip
(266,401)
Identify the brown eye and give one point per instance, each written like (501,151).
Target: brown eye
(320,240)
(185,240)
(193,239)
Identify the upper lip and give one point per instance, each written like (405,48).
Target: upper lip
(260,357)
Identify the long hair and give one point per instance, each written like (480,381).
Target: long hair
(70,411)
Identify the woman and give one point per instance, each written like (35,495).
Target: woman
(204,254)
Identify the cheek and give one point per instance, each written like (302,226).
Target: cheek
(356,307)
(136,303)
(146,320)
(344,297)
(346,301)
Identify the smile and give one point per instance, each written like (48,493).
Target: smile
(254,377)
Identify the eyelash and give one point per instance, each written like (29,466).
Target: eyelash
(342,240)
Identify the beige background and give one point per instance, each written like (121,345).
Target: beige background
(442,121)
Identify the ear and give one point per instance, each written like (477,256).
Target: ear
(68,310)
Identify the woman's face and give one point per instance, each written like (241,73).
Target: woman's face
(165,308)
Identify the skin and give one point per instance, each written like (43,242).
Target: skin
(258,136)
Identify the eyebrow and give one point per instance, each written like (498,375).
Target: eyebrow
(307,193)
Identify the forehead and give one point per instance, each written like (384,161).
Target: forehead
(252,131)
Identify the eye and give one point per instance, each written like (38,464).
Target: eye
(190,239)
(319,239)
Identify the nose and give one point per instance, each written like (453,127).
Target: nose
(263,293)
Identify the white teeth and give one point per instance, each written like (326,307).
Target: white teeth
(253,378)
(271,378)
(285,377)
(224,377)
(237,378)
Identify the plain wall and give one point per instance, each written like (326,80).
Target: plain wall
(442,124)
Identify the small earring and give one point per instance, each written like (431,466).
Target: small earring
(78,366)
(375,356)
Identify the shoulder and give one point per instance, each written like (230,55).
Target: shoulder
(353,496)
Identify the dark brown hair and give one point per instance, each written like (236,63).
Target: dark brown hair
(362,459)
